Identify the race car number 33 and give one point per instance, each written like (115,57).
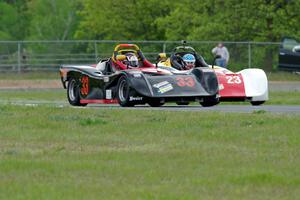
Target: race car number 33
(185,81)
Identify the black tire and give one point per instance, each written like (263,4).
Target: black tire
(210,101)
(184,103)
(155,103)
(257,103)
(123,92)
(73,92)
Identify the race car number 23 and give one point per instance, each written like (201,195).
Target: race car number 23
(85,85)
(233,79)
(185,81)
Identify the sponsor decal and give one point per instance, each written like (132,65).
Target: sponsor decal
(221,86)
(106,79)
(137,75)
(163,87)
(108,94)
(207,70)
(135,98)
(85,85)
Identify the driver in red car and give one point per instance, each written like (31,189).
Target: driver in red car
(131,60)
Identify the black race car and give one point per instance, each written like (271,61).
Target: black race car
(289,55)
(128,78)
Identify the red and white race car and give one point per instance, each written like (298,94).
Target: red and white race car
(246,85)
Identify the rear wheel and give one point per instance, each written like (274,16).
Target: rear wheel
(210,101)
(123,92)
(73,92)
(257,103)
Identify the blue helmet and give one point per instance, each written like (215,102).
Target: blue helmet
(189,60)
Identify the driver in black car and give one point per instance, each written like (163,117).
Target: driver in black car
(186,62)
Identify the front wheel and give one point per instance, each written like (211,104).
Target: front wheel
(123,92)
(73,92)
(257,103)
(210,101)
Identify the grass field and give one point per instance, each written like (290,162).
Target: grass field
(30,75)
(48,152)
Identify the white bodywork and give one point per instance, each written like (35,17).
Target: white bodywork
(101,66)
(256,84)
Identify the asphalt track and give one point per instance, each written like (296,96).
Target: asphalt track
(283,109)
(247,108)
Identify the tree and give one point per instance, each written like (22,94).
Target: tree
(7,20)
(13,21)
(121,20)
(52,19)
(234,20)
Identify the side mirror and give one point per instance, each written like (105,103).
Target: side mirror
(214,61)
(121,57)
(162,56)
(296,48)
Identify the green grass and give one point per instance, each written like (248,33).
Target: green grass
(276,98)
(284,98)
(48,152)
(38,75)
(34,94)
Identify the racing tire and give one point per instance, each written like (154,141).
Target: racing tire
(73,92)
(257,103)
(123,92)
(183,103)
(210,101)
(155,103)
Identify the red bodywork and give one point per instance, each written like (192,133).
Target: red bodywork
(231,85)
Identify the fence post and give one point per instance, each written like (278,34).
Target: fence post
(96,51)
(164,47)
(19,57)
(249,55)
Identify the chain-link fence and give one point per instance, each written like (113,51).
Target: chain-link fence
(20,56)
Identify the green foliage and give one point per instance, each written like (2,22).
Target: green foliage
(230,20)
(121,20)
(8,19)
(205,20)
(52,19)
(13,20)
